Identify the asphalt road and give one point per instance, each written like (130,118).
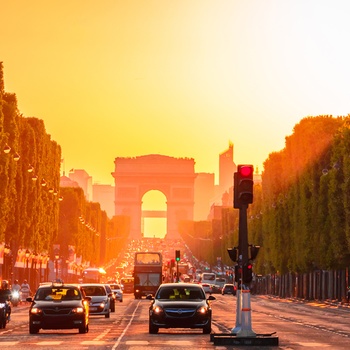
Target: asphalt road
(297,325)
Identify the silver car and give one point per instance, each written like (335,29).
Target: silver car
(117,290)
(100,299)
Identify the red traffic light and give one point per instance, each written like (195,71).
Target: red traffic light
(243,185)
(246,170)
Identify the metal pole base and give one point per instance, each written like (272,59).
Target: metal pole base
(230,339)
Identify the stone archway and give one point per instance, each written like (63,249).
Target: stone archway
(174,177)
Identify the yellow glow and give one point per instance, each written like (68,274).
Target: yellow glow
(180,78)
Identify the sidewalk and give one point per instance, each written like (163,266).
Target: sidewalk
(336,303)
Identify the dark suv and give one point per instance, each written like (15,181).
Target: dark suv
(59,306)
(111,297)
(228,289)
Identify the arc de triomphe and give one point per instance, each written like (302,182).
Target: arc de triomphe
(174,177)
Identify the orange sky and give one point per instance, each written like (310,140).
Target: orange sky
(181,78)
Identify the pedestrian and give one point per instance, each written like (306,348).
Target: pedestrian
(25,290)
(16,287)
(5,296)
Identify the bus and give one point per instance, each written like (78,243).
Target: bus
(208,277)
(94,275)
(148,273)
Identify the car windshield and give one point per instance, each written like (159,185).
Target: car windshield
(59,293)
(180,293)
(92,291)
(115,286)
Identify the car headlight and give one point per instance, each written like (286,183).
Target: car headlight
(202,310)
(78,310)
(36,311)
(157,309)
(103,304)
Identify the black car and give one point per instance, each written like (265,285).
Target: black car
(59,306)
(180,305)
(112,297)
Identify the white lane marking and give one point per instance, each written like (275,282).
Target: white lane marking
(102,334)
(49,343)
(126,328)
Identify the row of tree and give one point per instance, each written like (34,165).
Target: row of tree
(35,213)
(301,211)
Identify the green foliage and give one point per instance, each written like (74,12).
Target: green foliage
(305,201)
(31,215)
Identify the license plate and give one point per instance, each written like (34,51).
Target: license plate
(93,308)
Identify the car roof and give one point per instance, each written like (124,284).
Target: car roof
(180,284)
(58,285)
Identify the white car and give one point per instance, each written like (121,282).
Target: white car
(117,290)
(100,299)
(207,287)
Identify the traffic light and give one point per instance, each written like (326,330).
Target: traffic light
(254,250)
(172,263)
(233,254)
(238,273)
(243,185)
(247,272)
(177,255)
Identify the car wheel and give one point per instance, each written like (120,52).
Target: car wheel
(2,321)
(33,329)
(108,315)
(207,328)
(84,328)
(113,307)
(152,328)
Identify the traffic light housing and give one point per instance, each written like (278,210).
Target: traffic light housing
(177,255)
(233,254)
(238,273)
(243,185)
(254,250)
(247,272)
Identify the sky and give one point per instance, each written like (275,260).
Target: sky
(125,78)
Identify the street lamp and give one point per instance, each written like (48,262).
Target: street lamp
(40,258)
(7,149)
(34,262)
(56,264)
(16,157)
(27,263)
(6,253)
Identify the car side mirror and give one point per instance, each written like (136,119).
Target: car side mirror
(211,297)
(149,297)
(87,298)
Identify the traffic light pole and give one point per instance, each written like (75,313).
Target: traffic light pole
(177,271)
(243,235)
(243,334)
(243,327)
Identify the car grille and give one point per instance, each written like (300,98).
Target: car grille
(180,312)
(57,311)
